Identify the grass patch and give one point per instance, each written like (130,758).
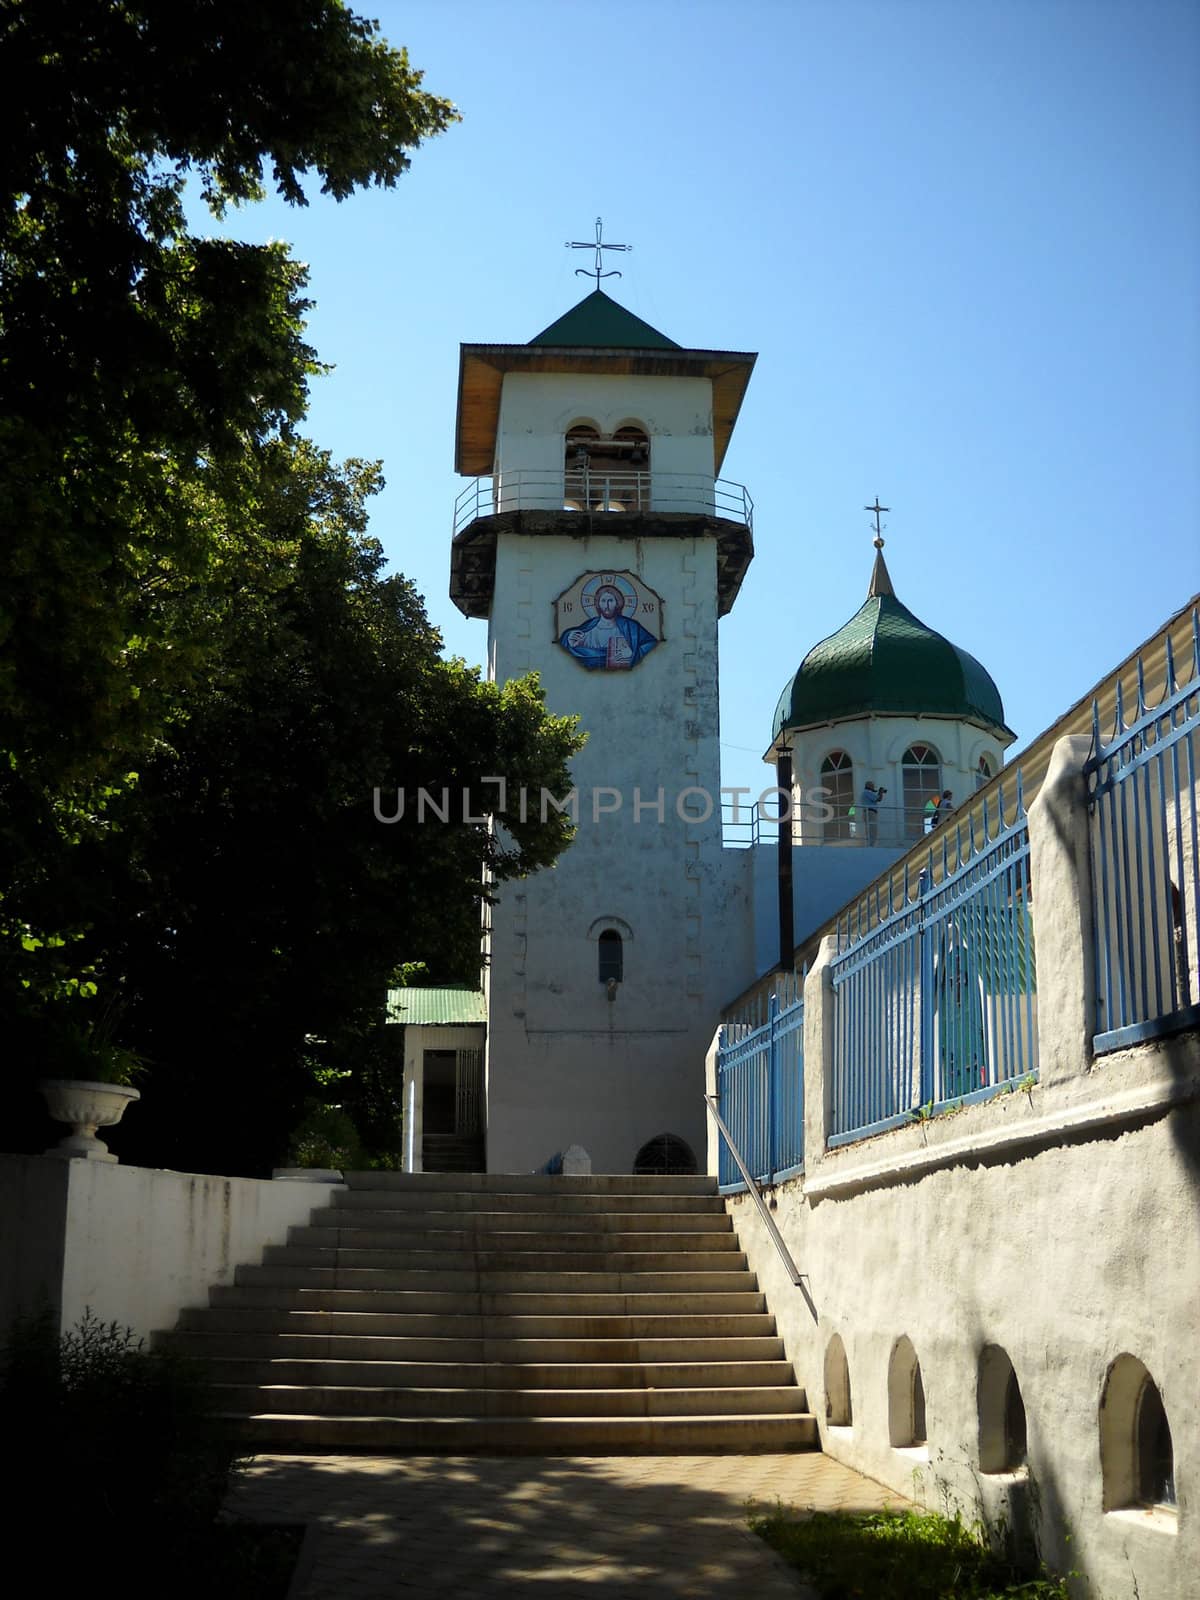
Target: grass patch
(906,1555)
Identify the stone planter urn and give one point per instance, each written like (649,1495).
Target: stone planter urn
(85,1107)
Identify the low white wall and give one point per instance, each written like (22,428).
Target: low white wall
(135,1245)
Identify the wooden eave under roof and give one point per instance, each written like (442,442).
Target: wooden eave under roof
(482,367)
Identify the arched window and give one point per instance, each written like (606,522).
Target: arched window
(921,772)
(610,956)
(839,1412)
(984,772)
(580,439)
(906,1397)
(606,472)
(666,1155)
(1137,1458)
(837,779)
(1002,1432)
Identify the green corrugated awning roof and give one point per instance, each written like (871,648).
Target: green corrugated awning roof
(600,323)
(443,1007)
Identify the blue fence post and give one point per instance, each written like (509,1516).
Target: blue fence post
(925,994)
(773,1085)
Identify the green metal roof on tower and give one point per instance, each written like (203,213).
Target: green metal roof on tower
(599,323)
(886,662)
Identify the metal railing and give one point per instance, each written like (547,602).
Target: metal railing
(748,1183)
(819,822)
(613,489)
(935,1001)
(760,1088)
(1143,797)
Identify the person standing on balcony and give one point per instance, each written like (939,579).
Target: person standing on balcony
(868,804)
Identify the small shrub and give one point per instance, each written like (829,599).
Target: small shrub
(907,1555)
(113,1443)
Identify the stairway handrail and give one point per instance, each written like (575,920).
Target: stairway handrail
(785,1254)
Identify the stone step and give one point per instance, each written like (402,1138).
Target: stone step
(526,1376)
(348,1400)
(539,1200)
(323,1271)
(472,1325)
(508,1240)
(741,1435)
(529,1183)
(485,1304)
(347,1250)
(474,1222)
(384,1347)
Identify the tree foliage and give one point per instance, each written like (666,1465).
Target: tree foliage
(204,671)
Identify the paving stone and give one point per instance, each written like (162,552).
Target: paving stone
(654,1528)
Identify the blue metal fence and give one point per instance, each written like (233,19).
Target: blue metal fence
(935,1000)
(1143,798)
(760,1087)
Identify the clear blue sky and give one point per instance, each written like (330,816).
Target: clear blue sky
(964,236)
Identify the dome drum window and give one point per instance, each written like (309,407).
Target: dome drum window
(921,772)
(837,780)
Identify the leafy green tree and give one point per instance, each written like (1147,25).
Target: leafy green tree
(246,909)
(147,379)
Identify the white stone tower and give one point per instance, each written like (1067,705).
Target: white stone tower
(601,545)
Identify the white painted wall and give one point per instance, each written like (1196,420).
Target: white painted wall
(564,1064)
(133,1244)
(536,409)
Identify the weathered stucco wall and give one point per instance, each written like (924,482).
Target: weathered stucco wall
(1064,1245)
(133,1244)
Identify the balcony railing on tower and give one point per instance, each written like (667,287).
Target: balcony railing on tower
(610,487)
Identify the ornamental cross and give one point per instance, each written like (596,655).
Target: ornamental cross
(598,245)
(878,511)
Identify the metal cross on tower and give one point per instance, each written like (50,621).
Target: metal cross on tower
(598,246)
(878,511)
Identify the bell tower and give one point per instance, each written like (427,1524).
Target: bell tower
(600,542)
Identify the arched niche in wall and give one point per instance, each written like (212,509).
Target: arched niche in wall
(1002,1432)
(839,1409)
(906,1396)
(1137,1455)
(666,1155)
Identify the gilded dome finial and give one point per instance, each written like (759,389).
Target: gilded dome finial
(881,582)
(878,512)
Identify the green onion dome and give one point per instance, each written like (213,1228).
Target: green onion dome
(886,662)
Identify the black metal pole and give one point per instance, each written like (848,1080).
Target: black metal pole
(787,926)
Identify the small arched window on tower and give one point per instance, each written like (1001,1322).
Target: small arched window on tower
(610,957)
(984,772)
(921,770)
(837,780)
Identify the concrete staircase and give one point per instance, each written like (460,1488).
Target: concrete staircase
(484,1312)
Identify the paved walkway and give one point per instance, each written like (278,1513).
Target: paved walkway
(554,1528)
